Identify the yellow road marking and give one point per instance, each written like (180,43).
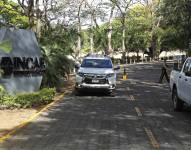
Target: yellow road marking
(152,139)
(138,111)
(30,119)
(132,98)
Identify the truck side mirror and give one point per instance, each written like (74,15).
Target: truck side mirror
(175,66)
(77,66)
(188,73)
(116,68)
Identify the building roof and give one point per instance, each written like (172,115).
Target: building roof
(96,56)
(171,53)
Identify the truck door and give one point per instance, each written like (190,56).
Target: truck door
(187,80)
(185,83)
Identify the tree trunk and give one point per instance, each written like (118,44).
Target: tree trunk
(38,28)
(137,56)
(110,50)
(78,53)
(30,14)
(123,32)
(154,45)
(155,24)
(79,42)
(29,10)
(47,23)
(91,36)
(123,39)
(38,16)
(91,42)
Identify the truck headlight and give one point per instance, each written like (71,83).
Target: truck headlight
(80,74)
(110,75)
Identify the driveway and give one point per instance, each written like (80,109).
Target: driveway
(138,117)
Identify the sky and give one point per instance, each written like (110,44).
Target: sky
(88,21)
(99,21)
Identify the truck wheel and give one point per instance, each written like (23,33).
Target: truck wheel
(177,102)
(76,92)
(111,93)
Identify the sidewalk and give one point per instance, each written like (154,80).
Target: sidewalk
(12,118)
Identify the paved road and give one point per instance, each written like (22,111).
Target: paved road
(138,117)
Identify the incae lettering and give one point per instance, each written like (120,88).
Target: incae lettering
(36,63)
(42,63)
(22,65)
(30,63)
(7,65)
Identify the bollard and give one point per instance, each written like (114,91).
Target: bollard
(124,74)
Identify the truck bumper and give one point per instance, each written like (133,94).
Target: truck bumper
(95,86)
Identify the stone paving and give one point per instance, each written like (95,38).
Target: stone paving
(138,117)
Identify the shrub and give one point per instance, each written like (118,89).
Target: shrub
(2,92)
(47,95)
(26,100)
(58,67)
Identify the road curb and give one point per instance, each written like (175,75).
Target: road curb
(11,132)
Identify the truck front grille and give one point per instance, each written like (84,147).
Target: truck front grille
(100,78)
(89,81)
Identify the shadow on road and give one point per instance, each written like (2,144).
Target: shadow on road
(99,122)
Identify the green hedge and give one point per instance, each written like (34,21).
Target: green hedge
(27,100)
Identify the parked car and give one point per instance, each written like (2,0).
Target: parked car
(180,83)
(96,72)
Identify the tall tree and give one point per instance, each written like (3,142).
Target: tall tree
(152,6)
(78,53)
(37,12)
(124,6)
(11,15)
(109,35)
(29,10)
(93,20)
(176,15)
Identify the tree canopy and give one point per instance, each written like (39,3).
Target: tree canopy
(74,27)
(11,15)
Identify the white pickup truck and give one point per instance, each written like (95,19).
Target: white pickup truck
(96,72)
(180,84)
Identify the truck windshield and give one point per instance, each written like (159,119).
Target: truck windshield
(96,63)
